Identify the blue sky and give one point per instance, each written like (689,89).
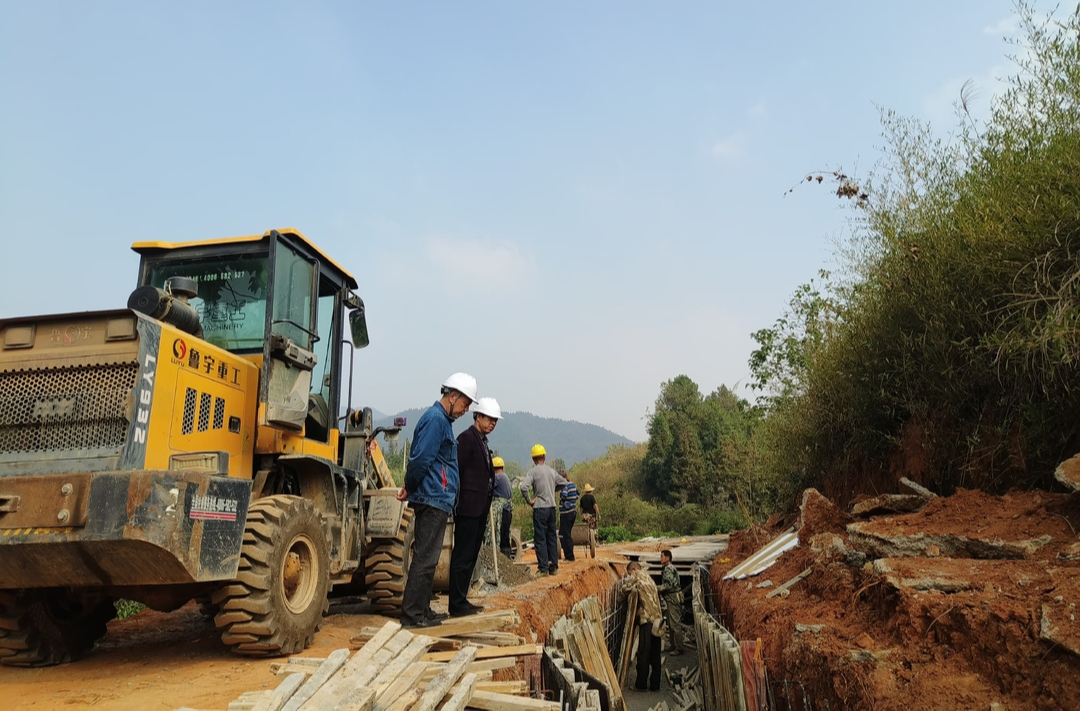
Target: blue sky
(573,201)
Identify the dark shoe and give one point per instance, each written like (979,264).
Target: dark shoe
(468,609)
(408,623)
(654,689)
(553,571)
(436,616)
(674,652)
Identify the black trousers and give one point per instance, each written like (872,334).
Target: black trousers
(547,551)
(504,530)
(566,524)
(468,538)
(429,527)
(648,658)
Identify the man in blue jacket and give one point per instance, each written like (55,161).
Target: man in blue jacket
(431,486)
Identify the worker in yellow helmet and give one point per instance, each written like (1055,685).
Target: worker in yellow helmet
(544,481)
(501,508)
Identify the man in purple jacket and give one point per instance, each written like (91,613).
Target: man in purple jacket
(476,477)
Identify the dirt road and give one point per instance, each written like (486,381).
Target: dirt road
(167,660)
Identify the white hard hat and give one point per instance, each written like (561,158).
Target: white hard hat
(463,383)
(488,406)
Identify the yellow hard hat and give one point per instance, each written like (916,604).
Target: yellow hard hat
(497,462)
(538,451)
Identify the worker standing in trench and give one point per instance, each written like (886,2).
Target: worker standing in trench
(649,625)
(671,601)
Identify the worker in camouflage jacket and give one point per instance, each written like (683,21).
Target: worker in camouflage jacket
(671,600)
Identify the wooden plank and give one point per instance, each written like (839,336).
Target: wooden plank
(788,584)
(441,684)
(335,661)
(416,649)
(403,702)
(463,693)
(283,692)
(503,702)
(296,664)
(596,632)
(459,626)
(488,653)
(378,636)
(410,678)
(359,698)
(360,670)
(629,628)
(494,639)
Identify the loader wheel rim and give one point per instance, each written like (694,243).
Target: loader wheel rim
(299,574)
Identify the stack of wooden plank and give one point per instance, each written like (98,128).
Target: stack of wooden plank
(484,630)
(581,640)
(395,670)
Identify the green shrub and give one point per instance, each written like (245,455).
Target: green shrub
(614,534)
(128,608)
(724,522)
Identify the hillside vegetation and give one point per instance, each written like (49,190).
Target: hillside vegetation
(948,348)
(517,432)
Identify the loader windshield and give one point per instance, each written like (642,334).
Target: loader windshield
(232,297)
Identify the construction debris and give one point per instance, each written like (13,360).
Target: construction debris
(686,689)
(394,670)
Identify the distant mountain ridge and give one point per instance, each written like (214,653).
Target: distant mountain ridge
(517,432)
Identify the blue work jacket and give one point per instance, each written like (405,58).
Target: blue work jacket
(431,476)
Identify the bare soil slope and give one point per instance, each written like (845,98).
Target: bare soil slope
(968,602)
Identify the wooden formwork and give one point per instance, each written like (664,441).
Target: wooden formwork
(720,659)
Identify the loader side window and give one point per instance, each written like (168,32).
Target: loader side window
(231,301)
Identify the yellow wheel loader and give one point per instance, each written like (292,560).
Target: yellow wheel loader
(189,447)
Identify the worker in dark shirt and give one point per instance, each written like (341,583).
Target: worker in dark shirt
(477,488)
(590,512)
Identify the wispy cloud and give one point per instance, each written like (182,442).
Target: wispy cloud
(731,147)
(758,109)
(1005,27)
(500,263)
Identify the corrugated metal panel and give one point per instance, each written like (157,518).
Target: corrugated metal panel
(764,557)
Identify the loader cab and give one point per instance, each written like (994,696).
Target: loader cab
(277,300)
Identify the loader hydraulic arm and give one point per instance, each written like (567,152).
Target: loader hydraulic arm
(382,471)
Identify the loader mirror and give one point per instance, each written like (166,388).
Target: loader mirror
(358,327)
(399,422)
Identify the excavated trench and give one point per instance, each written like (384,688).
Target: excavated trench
(968,601)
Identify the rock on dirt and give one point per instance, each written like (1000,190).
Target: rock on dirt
(971,602)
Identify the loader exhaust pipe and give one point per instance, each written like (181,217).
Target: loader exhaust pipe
(170,304)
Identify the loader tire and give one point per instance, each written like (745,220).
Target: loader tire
(388,567)
(277,602)
(43,627)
